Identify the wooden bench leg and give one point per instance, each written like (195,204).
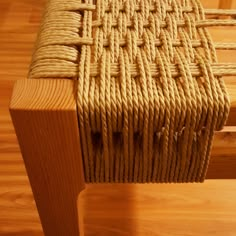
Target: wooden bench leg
(45,120)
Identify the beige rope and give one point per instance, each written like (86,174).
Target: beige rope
(55,71)
(150,93)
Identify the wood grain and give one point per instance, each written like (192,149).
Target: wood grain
(45,119)
(225,4)
(119,210)
(223,156)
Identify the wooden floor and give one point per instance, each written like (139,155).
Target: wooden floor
(127,210)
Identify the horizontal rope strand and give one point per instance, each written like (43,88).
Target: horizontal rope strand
(169,9)
(140,42)
(180,23)
(218,69)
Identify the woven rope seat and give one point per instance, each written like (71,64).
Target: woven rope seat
(149,90)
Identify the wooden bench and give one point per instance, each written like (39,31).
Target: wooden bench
(44,113)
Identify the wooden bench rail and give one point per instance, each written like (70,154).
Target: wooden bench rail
(231,87)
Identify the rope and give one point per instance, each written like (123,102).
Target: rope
(122,42)
(55,70)
(150,92)
(223,12)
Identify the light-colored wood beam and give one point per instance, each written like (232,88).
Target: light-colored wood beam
(231,87)
(45,119)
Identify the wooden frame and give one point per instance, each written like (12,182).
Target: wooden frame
(45,119)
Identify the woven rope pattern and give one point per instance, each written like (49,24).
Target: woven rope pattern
(150,95)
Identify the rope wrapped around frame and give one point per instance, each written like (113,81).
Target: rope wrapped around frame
(149,89)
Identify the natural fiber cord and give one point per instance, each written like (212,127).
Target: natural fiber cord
(150,95)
